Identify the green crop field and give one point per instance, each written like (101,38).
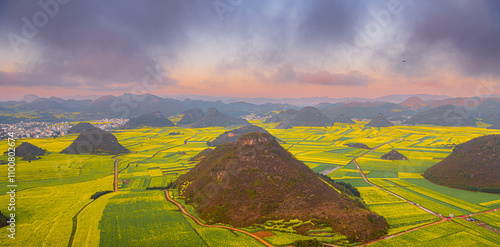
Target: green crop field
(149,214)
(53,190)
(443,234)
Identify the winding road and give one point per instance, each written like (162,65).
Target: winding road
(443,219)
(115,183)
(392,193)
(183,210)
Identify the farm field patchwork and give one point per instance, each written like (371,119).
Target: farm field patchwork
(447,233)
(47,219)
(374,195)
(492,218)
(88,232)
(158,159)
(147,212)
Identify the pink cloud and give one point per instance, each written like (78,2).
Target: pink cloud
(287,73)
(429,83)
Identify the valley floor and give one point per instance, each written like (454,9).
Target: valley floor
(53,205)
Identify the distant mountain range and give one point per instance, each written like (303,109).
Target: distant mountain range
(213,117)
(310,101)
(446,115)
(393,98)
(31,97)
(397,107)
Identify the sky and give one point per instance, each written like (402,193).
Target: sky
(250,48)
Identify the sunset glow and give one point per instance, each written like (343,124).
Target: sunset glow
(254,49)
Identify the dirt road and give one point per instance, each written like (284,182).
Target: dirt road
(392,193)
(201,224)
(443,219)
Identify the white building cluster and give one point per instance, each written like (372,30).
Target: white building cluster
(47,129)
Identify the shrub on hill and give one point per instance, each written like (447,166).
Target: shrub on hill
(358,145)
(173,133)
(201,155)
(99,194)
(158,188)
(308,243)
(345,187)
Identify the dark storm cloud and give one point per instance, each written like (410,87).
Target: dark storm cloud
(289,29)
(92,43)
(467,32)
(103,41)
(329,21)
(114,41)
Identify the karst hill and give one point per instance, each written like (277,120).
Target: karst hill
(446,115)
(191,116)
(255,179)
(310,116)
(80,127)
(29,151)
(342,118)
(393,155)
(380,121)
(154,119)
(213,117)
(282,116)
(473,165)
(95,141)
(283,125)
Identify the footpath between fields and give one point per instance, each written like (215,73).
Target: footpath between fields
(183,210)
(443,219)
